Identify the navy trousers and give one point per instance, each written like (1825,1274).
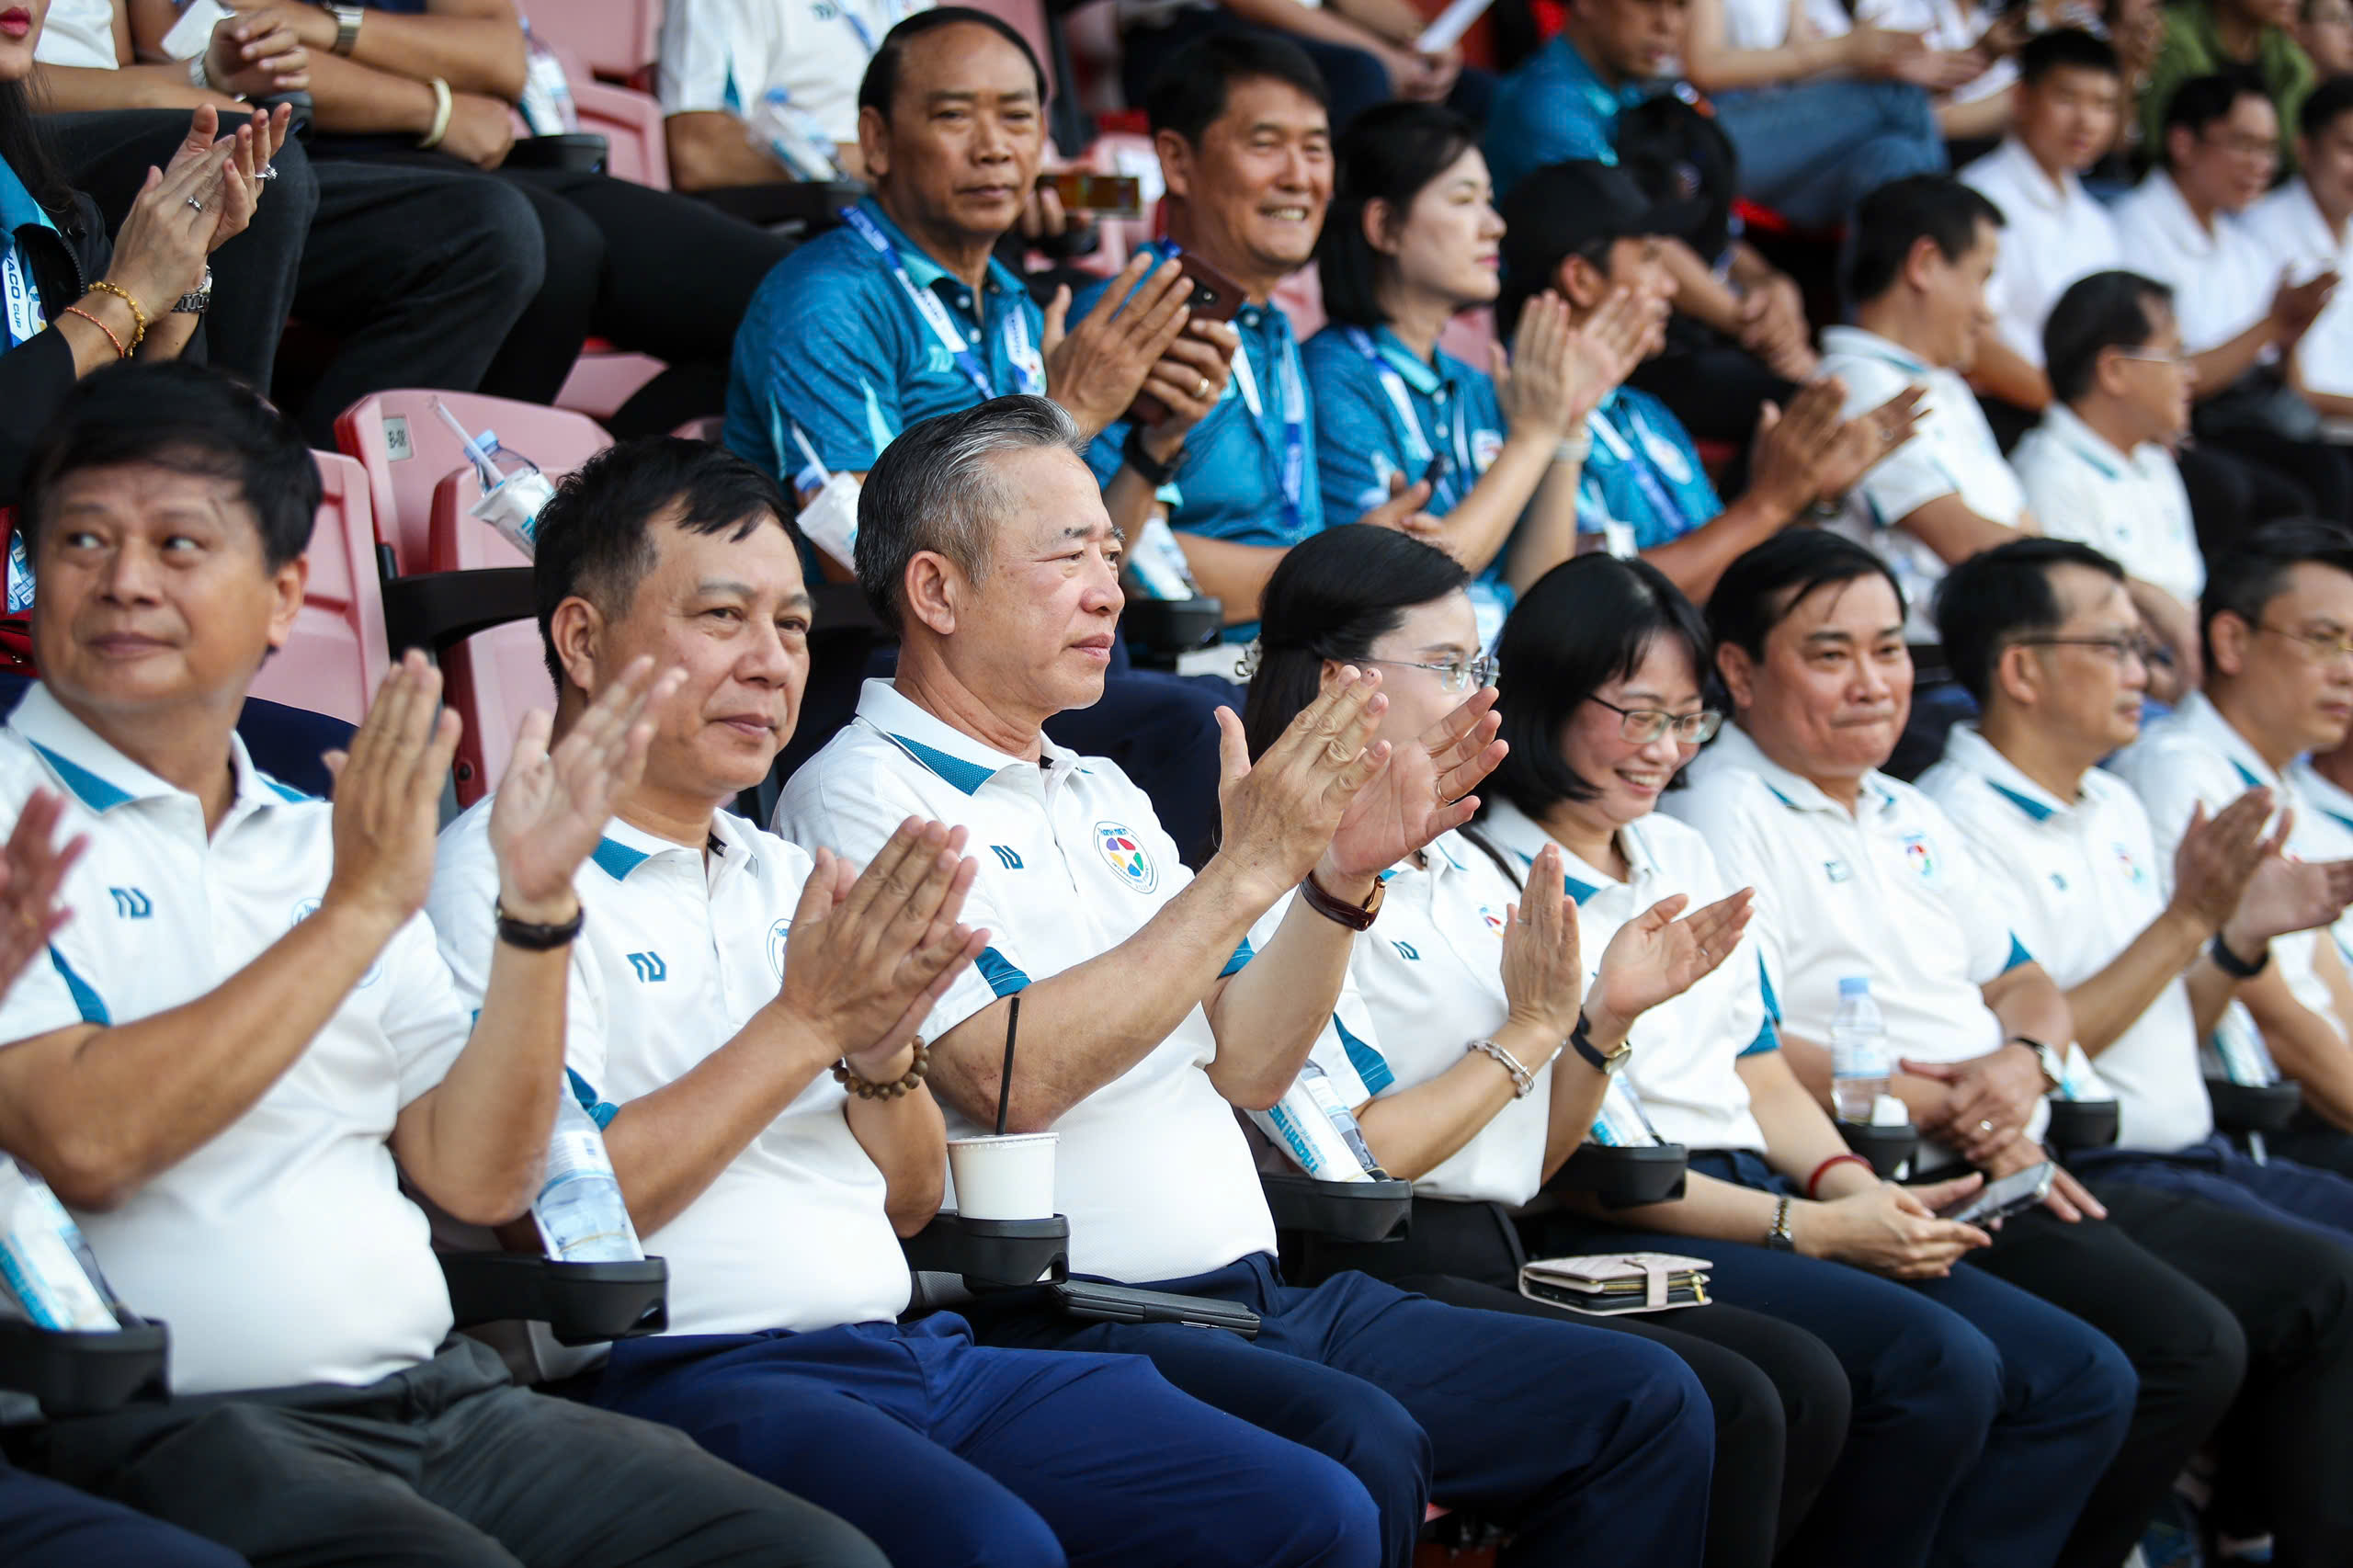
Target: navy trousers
(2216,1171)
(1981,1416)
(950,1455)
(1587,1447)
(44,1525)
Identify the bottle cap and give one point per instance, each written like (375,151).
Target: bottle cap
(1855,985)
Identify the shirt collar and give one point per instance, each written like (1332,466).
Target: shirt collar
(2309,216)
(1516,832)
(2173,213)
(2028,178)
(1970,751)
(922,271)
(2198,715)
(1872,345)
(101,778)
(1423,379)
(2323,793)
(1794,791)
(2068,428)
(625,847)
(943,750)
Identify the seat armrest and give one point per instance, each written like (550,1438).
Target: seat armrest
(84,1373)
(1340,1211)
(438,610)
(582,1303)
(1624,1176)
(2253,1108)
(2082,1124)
(987,1254)
(1889,1150)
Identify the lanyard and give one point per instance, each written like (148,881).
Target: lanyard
(21,295)
(1446,492)
(1635,455)
(1291,457)
(943,326)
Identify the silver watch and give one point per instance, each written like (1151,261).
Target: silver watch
(2051,1059)
(347,25)
(196,303)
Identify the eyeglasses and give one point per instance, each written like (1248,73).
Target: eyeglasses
(1456,675)
(2321,646)
(2244,146)
(2178,360)
(2122,650)
(1643,725)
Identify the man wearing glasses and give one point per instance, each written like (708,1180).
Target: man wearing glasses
(2099,468)
(2151,948)
(2276,622)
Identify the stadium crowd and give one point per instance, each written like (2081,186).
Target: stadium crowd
(1476,630)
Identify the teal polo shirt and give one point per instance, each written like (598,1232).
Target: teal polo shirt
(1644,471)
(1553,108)
(834,343)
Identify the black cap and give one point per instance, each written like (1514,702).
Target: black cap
(1563,207)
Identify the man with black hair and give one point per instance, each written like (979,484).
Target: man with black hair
(2276,622)
(1583,230)
(1858,874)
(2099,468)
(246,1042)
(1238,120)
(2241,319)
(773,1189)
(2307,225)
(2151,948)
(1918,256)
(2248,38)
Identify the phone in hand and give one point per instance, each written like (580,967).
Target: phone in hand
(1082,191)
(2013,1194)
(1215,297)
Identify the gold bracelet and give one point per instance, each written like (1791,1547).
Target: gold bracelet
(848,1077)
(137,317)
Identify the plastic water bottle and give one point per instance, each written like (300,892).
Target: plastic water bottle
(582,1216)
(46,1268)
(1858,1051)
(793,136)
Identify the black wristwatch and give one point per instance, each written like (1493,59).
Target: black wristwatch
(1581,1042)
(1152,471)
(2229,963)
(532,937)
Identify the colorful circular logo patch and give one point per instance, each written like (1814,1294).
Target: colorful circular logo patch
(776,947)
(1125,855)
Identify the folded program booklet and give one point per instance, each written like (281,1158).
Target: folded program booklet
(1604,1283)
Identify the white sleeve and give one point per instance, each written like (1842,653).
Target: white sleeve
(698,62)
(425,1018)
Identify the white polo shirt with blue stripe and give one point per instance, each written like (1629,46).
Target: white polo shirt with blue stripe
(2193,755)
(282,1250)
(1152,1168)
(1889,892)
(679,948)
(1686,1051)
(1951,452)
(2325,810)
(2081,880)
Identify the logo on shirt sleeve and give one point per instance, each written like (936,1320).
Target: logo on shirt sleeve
(1125,856)
(1486,446)
(1493,916)
(1920,855)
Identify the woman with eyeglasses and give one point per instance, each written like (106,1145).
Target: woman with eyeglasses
(1606,696)
(1413,240)
(1476,1032)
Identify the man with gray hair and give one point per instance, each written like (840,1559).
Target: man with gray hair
(983,538)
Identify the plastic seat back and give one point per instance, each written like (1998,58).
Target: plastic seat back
(1470,336)
(493,677)
(612,38)
(1301,297)
(407,451)
(337,657)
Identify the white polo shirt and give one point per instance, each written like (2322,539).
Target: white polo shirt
(2080,881)
(2221,278)
(282,1250)
(2193,755)
(1425,981)
(2132,507)
(2290,227)
(2327,810)
(1889,892)
(1685,1050)
(1952,451)
(679,948)
(723,54)
(1152,1169)
(2053,234)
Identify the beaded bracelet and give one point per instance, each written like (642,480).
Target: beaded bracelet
(120,351)
(848,1078)
(137,317)
(1824,1169)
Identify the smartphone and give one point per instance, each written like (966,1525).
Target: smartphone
(2017,1191)
(1082,191)
(1215,297)
(1103,1301)
(1435,471)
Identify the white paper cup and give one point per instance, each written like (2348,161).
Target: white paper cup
(1004,1178)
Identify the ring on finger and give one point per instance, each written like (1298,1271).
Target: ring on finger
(1202,390)
(1986,1126)
(192,201)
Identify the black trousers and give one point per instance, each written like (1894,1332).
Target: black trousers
(446,1465)
(416,275)
(48,1525)
(1780,1395)
(2237,1324)
(648,270)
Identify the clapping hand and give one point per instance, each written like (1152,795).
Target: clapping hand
(1543,972)
(551,807)
(1096,367)
(1861,442)
(1424,791)
(32,871)
(1656,956)
(1279,813)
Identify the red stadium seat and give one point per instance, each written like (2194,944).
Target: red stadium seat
(613,37)
(492,679)
(1470,336)
(1301,297)
(337,657)
(406,450)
